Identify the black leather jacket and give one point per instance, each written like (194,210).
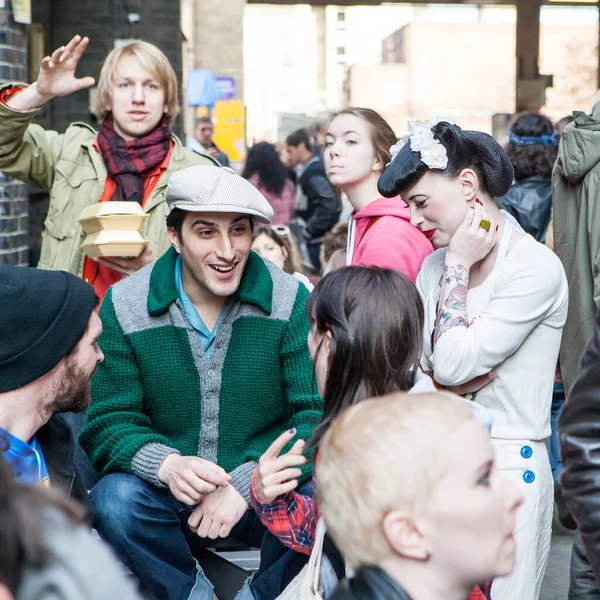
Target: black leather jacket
(58,447)
(530,202)
(369,583)
(318,204)
(579,431)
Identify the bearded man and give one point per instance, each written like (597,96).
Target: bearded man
(48,354)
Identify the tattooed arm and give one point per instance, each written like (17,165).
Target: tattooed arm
(452,307)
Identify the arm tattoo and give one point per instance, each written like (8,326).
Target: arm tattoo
(452,306)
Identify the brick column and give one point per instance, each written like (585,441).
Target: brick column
(14,205)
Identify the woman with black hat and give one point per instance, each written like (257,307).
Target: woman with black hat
(495,305)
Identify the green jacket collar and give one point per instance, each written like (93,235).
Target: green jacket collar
(256,286)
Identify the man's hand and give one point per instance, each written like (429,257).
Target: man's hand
(276,475)
(128,266)
(56,77)
(218,513)
(191,478)
(213,152)
(472,386)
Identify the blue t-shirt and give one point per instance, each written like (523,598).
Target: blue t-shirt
(26,461)
(206,337)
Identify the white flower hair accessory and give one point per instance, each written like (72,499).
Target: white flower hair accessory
(420,137)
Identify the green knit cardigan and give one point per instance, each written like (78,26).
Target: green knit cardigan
(157,392)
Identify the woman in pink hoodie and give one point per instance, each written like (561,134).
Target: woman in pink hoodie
(357,149)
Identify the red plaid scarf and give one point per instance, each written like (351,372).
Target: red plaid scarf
(127,161)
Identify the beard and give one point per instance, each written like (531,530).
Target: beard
(72,393)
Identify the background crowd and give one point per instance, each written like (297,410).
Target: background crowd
(354,355)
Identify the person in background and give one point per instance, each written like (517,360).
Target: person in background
(47,553)
(265,171)
(532,150)
(575,195)
(317,204)
(316,131)
(131,158)
(561,124)
(441,524)
(357,149)
(333,250)
(202,141)
(495,306)
(275,243)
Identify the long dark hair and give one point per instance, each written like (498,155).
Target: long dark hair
(466,150)
(264,160)
(21,535)
(375,317)
(532,159)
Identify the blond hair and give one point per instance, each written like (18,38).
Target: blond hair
(380,455)
(150,58)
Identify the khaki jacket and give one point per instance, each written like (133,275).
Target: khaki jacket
(68,166)
(576,220)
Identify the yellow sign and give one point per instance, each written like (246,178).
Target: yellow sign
(21,11)
(229,119)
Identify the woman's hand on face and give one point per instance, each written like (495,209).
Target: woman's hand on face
(471,242)
(277,475)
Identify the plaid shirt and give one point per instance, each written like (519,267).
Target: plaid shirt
(293,518)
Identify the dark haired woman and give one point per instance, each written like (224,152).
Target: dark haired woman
(360,350)
(265,171)
(495,299)
(532,150)
(380,234)
(45,552)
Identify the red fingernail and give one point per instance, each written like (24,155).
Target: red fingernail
(497,227)
(478,201)
(471,208)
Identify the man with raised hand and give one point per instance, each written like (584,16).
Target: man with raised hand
(131,158)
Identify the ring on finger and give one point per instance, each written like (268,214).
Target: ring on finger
(485,224)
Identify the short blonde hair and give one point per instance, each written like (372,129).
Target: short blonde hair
(150,58)
(380,455)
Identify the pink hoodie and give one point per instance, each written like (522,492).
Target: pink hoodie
(391,242)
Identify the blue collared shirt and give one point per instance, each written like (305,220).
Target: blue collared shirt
(206,337)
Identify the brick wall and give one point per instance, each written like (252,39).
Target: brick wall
(14,247)
(219,39)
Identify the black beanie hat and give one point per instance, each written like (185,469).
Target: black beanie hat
(43,314)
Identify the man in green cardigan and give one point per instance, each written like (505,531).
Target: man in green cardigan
(206,364)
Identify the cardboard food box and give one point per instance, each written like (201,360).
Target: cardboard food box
(113,216)
(128,244)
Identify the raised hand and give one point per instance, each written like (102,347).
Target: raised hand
(57,72)
(56,77)
(277,475)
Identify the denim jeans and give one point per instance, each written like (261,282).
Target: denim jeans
(558,401)
(147,528)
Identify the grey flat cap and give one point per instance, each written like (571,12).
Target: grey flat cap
(214,189)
